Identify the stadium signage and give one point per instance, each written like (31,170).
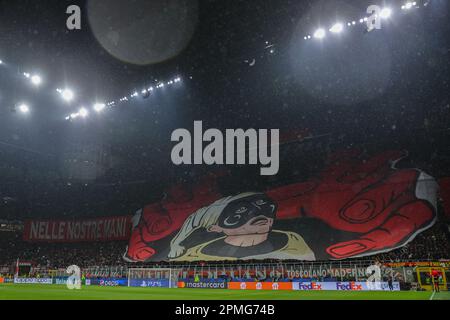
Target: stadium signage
(154,283)
(310,286)
(274,286)
(100,229)
(202,285)
(33,281)
(344,286)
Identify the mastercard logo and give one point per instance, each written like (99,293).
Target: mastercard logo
(181,284)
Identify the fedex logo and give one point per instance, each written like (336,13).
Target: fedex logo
(309,286)
(348,286)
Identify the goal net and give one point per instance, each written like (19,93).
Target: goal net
(153,277)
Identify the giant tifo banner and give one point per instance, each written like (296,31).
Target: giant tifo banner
(357,205)
(445,195)
(99,229)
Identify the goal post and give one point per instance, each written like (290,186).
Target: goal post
(153,277)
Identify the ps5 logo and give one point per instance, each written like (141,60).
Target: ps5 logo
(236,142)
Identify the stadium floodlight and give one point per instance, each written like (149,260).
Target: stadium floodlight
(36,80)
(74,115)
(385,13)
(26,75)
(98,107)
(1,62)
(66,94)
(337,28)
(407,6)
(24,108)
(83,112)
(353,22)
(319,34)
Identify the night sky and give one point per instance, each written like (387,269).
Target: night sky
(244,64)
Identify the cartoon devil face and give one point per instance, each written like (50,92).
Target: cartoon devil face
(249,215)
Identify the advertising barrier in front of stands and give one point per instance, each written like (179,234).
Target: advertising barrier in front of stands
(344,286)
(155,283)
(33,281)
(203,284)
(314,286)
(260,285)
(107,282)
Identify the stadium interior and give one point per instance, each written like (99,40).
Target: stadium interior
(363,113)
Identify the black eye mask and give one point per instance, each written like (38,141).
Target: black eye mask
(239,212)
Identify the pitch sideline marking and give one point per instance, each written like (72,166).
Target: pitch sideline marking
(432,295)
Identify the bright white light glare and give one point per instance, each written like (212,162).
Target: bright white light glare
(74,115)
(98,107)
(36,80)
(361,20)
(67,94)
(83,112)
(353,22)
(407,6)
(24,108)
(319,34)
(338,27)
(385,13)
(1,62)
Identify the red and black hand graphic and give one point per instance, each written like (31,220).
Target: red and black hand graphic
(384,206)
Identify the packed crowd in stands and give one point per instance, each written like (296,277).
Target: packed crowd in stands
(66,200)
(433,244)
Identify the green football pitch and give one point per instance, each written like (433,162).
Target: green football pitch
(57,292)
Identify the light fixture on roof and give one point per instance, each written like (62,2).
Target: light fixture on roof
(83,112)
(36,80)
(98,107)
(337,28)
(66,94)
(319,34)
(23,108)
(408,5)
(385,13)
